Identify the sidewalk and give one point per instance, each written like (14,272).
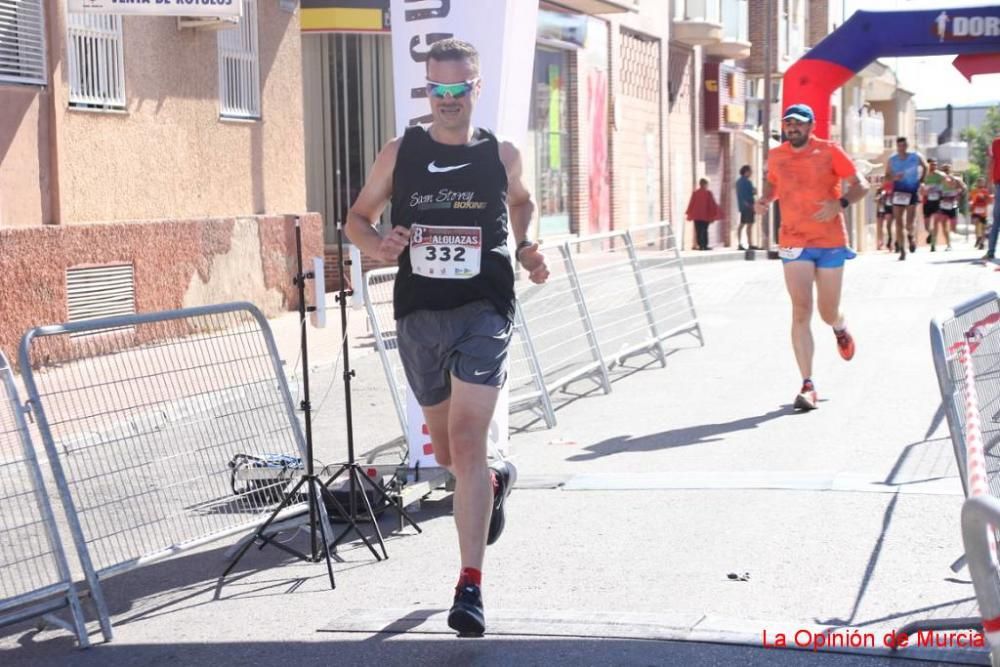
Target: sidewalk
(632,513)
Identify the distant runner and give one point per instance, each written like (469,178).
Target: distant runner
(883,212)
(945,218)
(906,171)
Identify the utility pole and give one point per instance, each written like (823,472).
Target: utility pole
(768,67)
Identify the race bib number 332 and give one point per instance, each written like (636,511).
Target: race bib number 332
(446,252)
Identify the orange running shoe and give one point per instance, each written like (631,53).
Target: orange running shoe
(807,398)
(845,344)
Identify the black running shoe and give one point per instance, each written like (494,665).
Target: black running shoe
(913,245)
(466,615)
(506,476)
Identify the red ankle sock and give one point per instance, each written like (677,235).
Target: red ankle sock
(470,575)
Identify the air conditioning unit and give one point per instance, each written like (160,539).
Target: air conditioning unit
(207,22)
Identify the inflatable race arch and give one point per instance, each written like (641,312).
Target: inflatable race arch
(971,32)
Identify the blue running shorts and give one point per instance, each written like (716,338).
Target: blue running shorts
(823,258)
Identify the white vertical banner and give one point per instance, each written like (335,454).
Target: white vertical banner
(503,31)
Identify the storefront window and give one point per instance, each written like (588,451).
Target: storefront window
(550,127)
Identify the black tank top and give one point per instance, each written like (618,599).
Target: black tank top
(453,199)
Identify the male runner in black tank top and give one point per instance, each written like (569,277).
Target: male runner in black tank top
(451,188)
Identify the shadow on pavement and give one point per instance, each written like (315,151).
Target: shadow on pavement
(386,651)
(869,569)
(682,437)
(167,586)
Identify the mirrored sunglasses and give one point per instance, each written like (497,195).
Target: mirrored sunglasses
(455,90)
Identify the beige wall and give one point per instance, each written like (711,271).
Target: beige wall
(24,155)
(169,155)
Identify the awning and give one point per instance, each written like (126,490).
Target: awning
(344,16)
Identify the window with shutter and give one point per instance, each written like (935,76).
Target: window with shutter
(22,42)
(100,291)
(96,61)
(239,70)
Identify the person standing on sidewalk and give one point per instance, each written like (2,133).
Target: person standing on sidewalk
(805,174)
(906,170)
(703,210)
(453,189)
(993,171)
(746,193)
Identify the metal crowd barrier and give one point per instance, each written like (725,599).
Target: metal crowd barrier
(947,332)
(565,343)
(609,297)
(146,419)
(35,579)
(965,344)
(378,288)
(667,290)
(977,515)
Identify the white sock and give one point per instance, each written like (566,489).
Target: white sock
(841,327)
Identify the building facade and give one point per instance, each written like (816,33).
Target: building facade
(147,165)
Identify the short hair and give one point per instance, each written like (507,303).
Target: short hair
(455,50)
(744,170)
(702,181)
(901,140)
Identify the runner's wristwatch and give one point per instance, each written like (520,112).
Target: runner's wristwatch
(844,202)
(526,243)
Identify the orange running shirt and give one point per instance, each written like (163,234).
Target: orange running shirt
(980,201)
(803,180)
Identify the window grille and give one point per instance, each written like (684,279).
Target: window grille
(96,61)
(239,69)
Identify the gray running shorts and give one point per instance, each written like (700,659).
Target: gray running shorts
(469,342)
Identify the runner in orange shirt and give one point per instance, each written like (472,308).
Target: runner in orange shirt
(979,200)
(805,173)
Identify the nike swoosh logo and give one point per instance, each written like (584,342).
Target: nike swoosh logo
(478,373)
(434,169)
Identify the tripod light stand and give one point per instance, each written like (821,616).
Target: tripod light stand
(357,479)
(316,491)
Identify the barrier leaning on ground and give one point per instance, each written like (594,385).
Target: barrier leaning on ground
(965,344)
(35,578)
(146,420)
(609,297)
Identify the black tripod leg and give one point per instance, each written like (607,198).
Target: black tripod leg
(351,525)
(316,497)
(259,534)
(368,506)
(403,514)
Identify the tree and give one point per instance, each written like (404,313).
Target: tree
(979,139)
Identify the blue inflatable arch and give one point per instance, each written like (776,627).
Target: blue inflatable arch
(870,35)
